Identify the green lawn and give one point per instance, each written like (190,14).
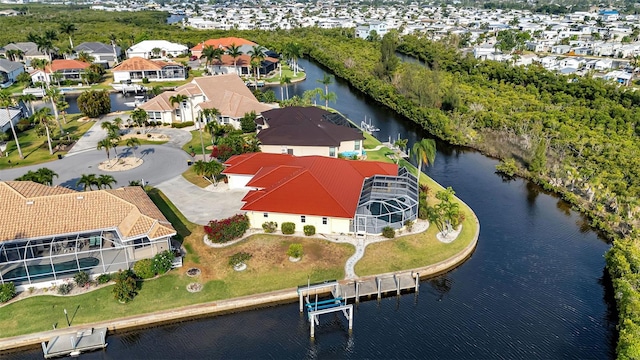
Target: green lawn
(195,146)
(286,71)
(34,146)
(194,178)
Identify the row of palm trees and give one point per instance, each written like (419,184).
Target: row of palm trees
(210,53)
(88,181)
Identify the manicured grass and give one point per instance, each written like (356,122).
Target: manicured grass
(194,178)
(34,146)
(195,146)
(286,71)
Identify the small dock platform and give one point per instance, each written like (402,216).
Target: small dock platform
(378,286)
(397,151)
(74,344)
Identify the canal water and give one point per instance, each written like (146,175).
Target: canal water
(535,288)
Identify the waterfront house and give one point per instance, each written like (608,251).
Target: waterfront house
(28,51)
(102,53)
(137,68)
(149,49)
(16,113)
(334,195)
(54,232)
(303,131)
(9,71)
(64,70)
(226,93)
(242,63)
(380,28)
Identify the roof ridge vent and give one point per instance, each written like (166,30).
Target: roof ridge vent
(29,202)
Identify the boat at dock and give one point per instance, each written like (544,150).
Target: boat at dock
(139,100)
(368,127)
(73,344)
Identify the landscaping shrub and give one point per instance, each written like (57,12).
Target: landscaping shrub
(182,125)
(309,230)
(82,278)
(126,287)
(288,228)
(295,251)
(144,269)
(388,232)
(239,258)
(163,262)
(104,278)
(7,292)
(270,227)
(64,289)
(145,80)
(222,231)
(409,225)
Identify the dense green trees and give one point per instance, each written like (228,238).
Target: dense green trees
(93,103)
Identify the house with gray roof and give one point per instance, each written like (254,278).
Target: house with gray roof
(102,53)
(9,71)
(304,131)
(29,51)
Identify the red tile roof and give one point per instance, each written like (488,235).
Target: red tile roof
(60,64)
(223,42)
(308,185)
(137,63)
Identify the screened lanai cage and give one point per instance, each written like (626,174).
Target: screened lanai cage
(386,201)
(56,258)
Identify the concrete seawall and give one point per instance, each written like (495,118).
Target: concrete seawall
(221,306)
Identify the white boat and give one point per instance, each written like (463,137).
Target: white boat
(139,100)
(368,126)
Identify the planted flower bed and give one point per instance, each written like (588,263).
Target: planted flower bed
(222,231)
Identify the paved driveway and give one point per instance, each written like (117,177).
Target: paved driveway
(199,205)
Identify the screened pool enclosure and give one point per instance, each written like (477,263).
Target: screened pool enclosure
(386,201)
(57,258)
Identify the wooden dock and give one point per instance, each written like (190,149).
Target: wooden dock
(378,286)
(74,344)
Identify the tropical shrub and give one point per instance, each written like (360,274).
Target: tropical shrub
(104,278)
(388,232)
(126,287)
(144,269)
(222,231)
(288,228)
(295,251)
(93,103)
(64,289)
(7,292)
(182,125)
(309,230)
(409,225)
(270,227)
(507,167)
(163,262)
(82,278)
(239,258)
(145,80)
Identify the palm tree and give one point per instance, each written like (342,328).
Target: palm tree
(286,80)
(210,53)
(45,176)
(330,96)
(85,57)
(424,150)
(294,52)
(53,94)
(105,181)
(257,55)
(133,143)
(113,39)
(69,29)
(62,106)
(29,99)
(106,145)
(44,118)
(234,51)
(212,126)
(156,52)
(178,99)
(326,81)
(6,101)
(208,170)
(87,181)
(118,122)
(139,117)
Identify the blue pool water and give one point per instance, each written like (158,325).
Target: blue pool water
(37,271)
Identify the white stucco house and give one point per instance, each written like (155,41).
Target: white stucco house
(145,49)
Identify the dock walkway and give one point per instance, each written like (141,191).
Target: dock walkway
(75,343)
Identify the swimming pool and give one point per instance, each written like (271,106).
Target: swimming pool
(39,271)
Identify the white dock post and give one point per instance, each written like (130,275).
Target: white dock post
(357,291)
(397,279)
(351,318)
(379,290)
(300,295)
(313,326)
(417,281)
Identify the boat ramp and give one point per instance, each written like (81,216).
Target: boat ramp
(74,344)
